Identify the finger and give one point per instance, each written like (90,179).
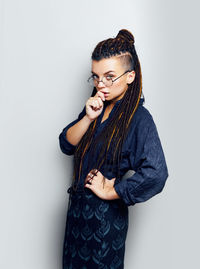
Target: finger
(92,103)
(88,182)
(94,172)
(100,101)
(101,95)
(87,179)
(88,186)
(91,174)
(96,103)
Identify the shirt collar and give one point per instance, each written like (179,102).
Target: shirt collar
(141,101)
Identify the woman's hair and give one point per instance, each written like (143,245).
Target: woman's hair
(111,138)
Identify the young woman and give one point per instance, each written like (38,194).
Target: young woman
(113,133)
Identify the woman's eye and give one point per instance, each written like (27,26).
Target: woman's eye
(109,77)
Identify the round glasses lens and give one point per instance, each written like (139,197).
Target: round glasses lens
(107,81)
(91,81)
(94,82)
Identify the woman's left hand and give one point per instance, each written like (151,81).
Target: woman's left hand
(104,190)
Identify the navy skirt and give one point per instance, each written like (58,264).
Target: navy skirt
(95,232)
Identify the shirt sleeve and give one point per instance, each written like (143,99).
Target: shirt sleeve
(65,146)
(148,161)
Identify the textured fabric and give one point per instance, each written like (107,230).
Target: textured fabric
(95,232)
(142,152)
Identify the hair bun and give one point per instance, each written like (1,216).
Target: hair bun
(126,35)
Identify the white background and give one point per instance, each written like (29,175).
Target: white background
(45,61)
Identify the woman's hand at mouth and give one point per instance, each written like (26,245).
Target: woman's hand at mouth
(94,105)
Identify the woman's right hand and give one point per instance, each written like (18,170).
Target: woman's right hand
(94,105)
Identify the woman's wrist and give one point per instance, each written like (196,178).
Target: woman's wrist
(87,119)
(112,194)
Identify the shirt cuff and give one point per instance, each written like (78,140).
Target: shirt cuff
(119,190)
(65,145)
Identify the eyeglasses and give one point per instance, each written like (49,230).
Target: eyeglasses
(107,80)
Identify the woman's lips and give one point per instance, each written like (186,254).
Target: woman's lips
(105,93)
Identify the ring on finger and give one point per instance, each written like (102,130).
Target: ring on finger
(91,175)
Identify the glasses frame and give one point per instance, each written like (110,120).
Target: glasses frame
(113,80)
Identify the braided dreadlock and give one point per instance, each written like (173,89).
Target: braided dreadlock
(112,137)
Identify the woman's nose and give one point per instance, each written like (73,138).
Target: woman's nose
(100,85)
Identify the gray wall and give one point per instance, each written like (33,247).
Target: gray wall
(45,51)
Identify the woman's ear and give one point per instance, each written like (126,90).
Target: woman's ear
(130,78)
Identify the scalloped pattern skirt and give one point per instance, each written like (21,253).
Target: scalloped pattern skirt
(95,232)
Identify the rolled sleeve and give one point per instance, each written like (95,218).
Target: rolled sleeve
(148,162)
(65,146)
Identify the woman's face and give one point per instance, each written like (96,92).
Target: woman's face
(113,68)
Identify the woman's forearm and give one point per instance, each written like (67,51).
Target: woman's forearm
(76,132)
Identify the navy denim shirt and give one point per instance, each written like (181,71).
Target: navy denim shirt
(141,151)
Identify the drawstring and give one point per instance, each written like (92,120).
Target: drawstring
(70,196)
(71,191)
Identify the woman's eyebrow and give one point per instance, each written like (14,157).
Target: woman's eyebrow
(104,73)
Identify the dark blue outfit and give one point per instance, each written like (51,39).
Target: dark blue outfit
(96,229)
